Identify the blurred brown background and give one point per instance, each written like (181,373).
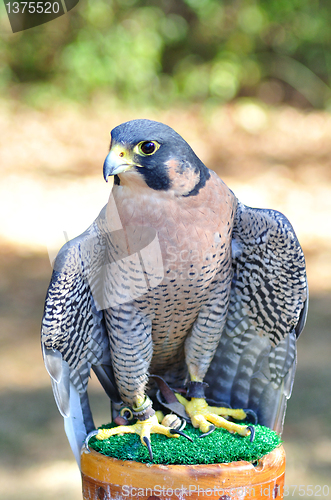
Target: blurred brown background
(269,138)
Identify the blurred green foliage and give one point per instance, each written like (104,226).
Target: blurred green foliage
(165,51)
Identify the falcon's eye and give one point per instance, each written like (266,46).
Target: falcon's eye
(147,148)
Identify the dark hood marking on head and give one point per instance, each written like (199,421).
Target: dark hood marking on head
(153,167)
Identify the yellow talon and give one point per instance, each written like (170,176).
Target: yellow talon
(144,428)
(202,415)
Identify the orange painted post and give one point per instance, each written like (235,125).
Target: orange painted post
(106,478)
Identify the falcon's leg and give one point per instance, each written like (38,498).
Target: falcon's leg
(200,347)
(143,427)
(131,355)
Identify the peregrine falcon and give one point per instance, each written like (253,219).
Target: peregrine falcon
(178,279)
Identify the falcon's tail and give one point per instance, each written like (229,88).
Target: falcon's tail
(79,422)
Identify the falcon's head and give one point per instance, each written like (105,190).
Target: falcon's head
(153,153)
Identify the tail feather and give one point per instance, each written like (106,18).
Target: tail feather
(79,422)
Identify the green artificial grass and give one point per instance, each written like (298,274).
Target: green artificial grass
(218,447)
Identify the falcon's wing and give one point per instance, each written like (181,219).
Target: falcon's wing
(255,362)
(73,333)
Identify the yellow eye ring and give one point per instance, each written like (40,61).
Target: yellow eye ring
(147,148)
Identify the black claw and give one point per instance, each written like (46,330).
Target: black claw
(211,429)
(251,416)
(252,436)
(175,431)
(148,444)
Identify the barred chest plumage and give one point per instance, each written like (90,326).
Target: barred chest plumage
(193,238)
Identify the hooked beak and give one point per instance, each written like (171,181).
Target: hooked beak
(116,162)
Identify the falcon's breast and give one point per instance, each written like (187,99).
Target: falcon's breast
(194,234)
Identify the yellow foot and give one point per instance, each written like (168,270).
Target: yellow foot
(144,428)
(201,414)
